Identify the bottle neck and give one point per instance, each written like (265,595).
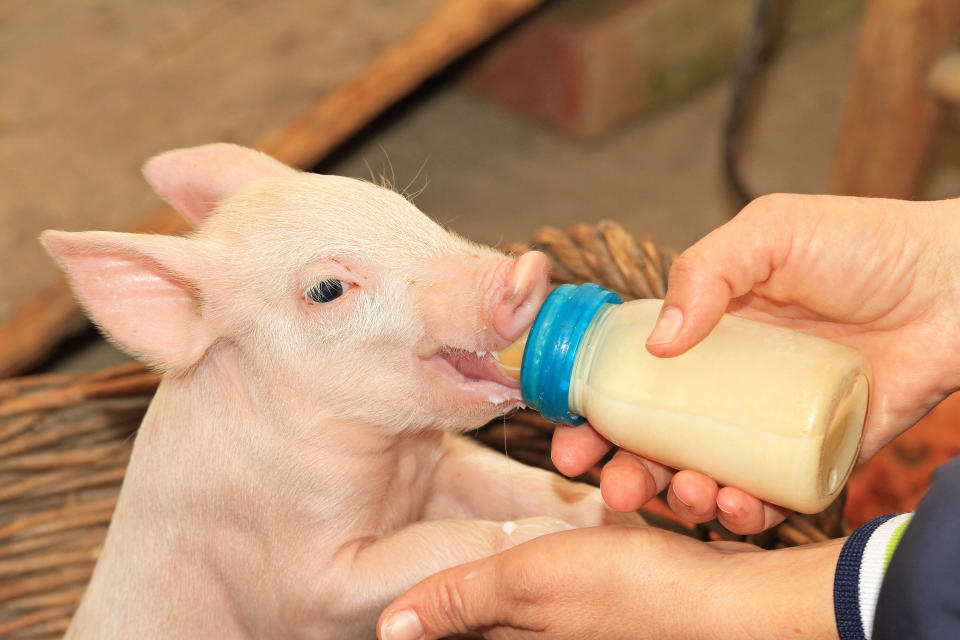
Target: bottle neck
(553,345)
(586,357)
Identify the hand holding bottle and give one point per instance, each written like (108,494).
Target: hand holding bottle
(879,275)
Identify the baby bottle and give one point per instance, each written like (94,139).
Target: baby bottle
(770,410)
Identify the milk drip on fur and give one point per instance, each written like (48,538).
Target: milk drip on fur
(770,410)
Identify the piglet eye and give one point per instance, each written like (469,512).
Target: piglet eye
(326,290)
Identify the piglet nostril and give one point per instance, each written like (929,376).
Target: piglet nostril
(525,289)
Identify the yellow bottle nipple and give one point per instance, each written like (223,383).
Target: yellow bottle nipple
(510,358)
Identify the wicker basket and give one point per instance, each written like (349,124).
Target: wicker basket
(65,440)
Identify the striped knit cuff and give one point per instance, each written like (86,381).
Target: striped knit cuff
(860,569)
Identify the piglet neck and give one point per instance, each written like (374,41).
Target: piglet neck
(199,438)
(215,435)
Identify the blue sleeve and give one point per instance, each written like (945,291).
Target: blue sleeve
(920,593)
(860,568)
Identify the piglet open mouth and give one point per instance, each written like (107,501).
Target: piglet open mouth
(475,373)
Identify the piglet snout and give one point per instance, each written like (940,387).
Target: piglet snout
(524,290)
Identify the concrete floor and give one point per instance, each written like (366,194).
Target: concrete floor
(493,176)
(89,90)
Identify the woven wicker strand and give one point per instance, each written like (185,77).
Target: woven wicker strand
(65,440)
(629,264)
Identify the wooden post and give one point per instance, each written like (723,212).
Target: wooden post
(43,320)
(890,117)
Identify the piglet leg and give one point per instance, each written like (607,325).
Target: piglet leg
(374,572)
(472,481)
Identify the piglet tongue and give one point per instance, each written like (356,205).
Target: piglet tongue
(479,367)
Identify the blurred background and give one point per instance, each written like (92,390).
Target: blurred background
(497,116)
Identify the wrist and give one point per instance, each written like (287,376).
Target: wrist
(780,593)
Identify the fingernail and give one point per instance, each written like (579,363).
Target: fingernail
(402,625)
(667,327)
(681,500)
(726,511)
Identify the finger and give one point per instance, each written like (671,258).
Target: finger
(456,601)
(577,449)
(725,264)
(628,481)
(693,496)
(743,514)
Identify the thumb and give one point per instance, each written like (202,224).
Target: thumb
(725,264)
(455,601)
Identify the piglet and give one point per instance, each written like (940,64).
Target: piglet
(323,344)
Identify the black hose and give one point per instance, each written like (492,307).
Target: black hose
(761,42)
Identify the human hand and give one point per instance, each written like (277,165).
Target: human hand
(624,582)
(879,275)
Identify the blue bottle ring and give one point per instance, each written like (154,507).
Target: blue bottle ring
(552,347)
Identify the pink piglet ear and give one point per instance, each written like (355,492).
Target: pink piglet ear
(195,180)
(135,288)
